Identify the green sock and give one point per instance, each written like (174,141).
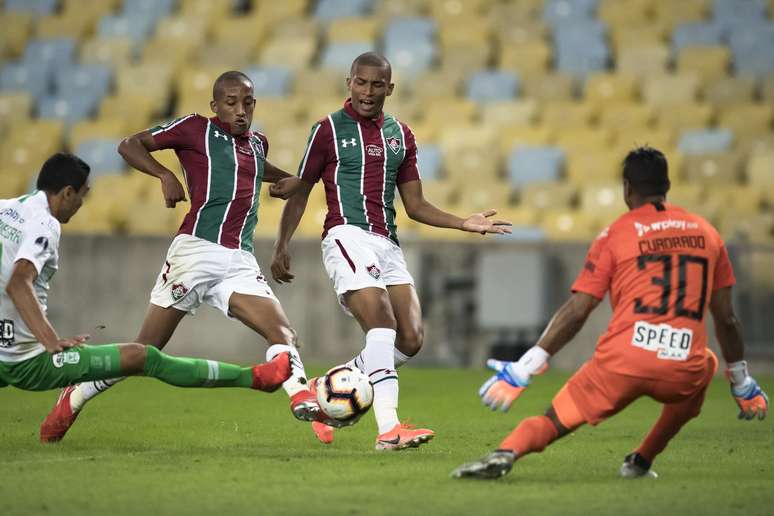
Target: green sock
(195,372)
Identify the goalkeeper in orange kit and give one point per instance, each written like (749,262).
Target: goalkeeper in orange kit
(662,267)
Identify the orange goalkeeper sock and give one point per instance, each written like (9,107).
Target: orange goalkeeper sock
(532,435)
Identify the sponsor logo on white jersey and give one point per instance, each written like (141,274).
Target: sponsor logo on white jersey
(669,343)
(663,225)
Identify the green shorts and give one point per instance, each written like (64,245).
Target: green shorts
(47,371)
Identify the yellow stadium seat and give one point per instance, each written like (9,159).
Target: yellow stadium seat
(320,83)
(712,169)
(464,32)
(215,10)
(517,215)
(15,106)
(241,34)
(30,144)
(594,166)
(134,111)
(296,54)
(441,192)
(626,116)
(483,195)
(583,140)
(756,144)
(686,195)
(760,170)
(509,31)
(274,12)
(184,27)
(92,219)
(730,90)
(742,201)
(135,80)
(225,54)
(643,61)
(528,58)
(746,119)
(321,107)
(436,83)
(568,115)
(13,183)
(570,226)
(271,113)
(674,13)
(759,266)
(604,88)
(297,28)
(550,195)
(174,54)
(447,10)
(465,58)
(152,217)
(269,215)
(354,29)
(618,12)
(457,138)
(510,137)
(605,199)
(471,162)
(113,51)
(670,90)
(631,137)
(197,81)
(387,10)
(680,117)
(509,113)
(112,128)
(88,9)
(72,24)
(767,88)
(426,131)
(287,145)
(404,110)
(527,12)
(628,37)
(548,88)
(757,228)
(458,110)
(710,63)
(16,31)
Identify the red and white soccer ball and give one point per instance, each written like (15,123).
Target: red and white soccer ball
(345,394)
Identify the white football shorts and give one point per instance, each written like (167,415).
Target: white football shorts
(356,259)
(197,271)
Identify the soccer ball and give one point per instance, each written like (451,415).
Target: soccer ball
(345,394)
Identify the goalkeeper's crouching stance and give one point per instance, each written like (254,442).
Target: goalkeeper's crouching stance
(662,266)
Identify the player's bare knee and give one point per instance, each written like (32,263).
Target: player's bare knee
(410,340)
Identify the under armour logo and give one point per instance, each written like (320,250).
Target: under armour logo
(346,143)
(218,134)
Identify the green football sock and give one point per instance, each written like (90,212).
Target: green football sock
(195,372)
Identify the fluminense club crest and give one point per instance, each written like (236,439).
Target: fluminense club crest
(374,271)
(178,291)
(394,144)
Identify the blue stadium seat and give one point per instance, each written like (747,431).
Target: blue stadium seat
(531,164)
(101,155)
(557,12)
(409,44)
(746,9)
(270,81)
(25,77)
(339,56)
(86,79)
(148,8)
(35,7)
(581,47)
(430,162)
(327,10)
(50,53)
(696,34)
(413,28)
(137,27)
(491,86)
(70,108)
(705,141)
(751,47)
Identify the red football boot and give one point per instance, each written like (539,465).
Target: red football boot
(270,376)
(60,419)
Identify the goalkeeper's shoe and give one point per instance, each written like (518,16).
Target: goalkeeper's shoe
(268,377)
(60,419)
(403,436)
(494,465)
(751,399)
(636,466)
(323,432)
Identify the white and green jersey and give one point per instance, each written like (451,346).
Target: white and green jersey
(223,174)
(29,232)
(360,161)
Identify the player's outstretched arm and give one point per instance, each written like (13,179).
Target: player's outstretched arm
(419,209)
(136,151)
(291,216)
(749,396)
(511,378)
(284,185)
(22,294)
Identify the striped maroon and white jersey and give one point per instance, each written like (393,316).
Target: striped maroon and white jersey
(360,161)
(223,174)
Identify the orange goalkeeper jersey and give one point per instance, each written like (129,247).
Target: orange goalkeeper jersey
(660,264)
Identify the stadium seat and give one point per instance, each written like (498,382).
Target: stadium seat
(134,112)
(565,115)
(12,183)
(278,111)
(69,107)
(767,89)
(434,84)
(295,54)
(534,164)
(132,81)
(530,57)
(34,7)
(509,113)
(151,217)
(339,56)
(643,61)
(751,47)
(541,196)
(669,90)
(616,12)
(709,63)
(510,137)
(737,200)
(108,128)
(444,193)
(675,13)
(351,29)
(686,195)
(630,137)
(465,31)
(471,161)
(549,88)
(17,27)
(26,147)
(53,55)
(570,226)
(72,25)
(467,59)
(593,166)
(705,141)
(559,12)
(622,116)
(581,48)
(270,81)
(430,162)
(116,52)
(609,87)
(493,86)
(583,139)
(441,110)
(329,10)
(627,37)
(15,107)
(696,34)
(92,80)
(511,30)
(728,91)
(101,155)
(685,116)
(712,169)
(756,229)
(604,199)
(746,120)
(760,170)
(137,27)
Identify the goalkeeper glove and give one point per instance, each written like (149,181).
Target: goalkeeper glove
(502,389)
(749,396)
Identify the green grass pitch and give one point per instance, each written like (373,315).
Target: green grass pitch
(146,448)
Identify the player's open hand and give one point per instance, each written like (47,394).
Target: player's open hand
(284,188)
(751,399)
(65,344)
(280,266)
(481,223)
(172,189)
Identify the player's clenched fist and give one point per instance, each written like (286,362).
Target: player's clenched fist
(280,266)
(172,189)
(284,188)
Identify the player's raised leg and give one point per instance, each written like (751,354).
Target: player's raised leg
(266,316)
(157,328)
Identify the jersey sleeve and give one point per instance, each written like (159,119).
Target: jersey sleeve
(39,244)
(597,273)
(317,153)
(408,171)
(263,141)
(176,134)
(724,271)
